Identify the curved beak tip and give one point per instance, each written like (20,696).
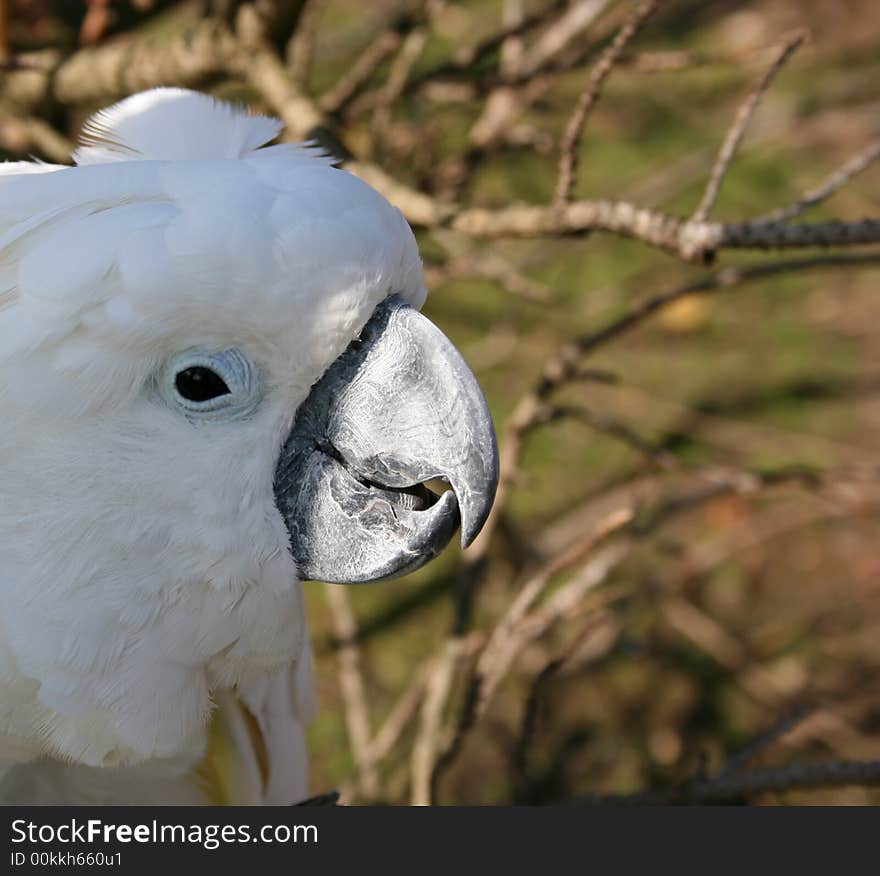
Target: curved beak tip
(476,500)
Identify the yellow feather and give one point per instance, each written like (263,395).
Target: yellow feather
(235,767)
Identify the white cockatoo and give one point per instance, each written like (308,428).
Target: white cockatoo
(214,384)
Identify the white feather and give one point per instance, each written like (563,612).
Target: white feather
(172,124)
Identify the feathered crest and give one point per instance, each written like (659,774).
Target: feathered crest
(177,198)
(172,124)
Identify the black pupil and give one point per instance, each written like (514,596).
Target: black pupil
(200,384)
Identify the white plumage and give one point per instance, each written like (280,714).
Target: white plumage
(144,573)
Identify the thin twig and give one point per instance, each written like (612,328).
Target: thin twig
(740,123)
(407,56)
(352,688)
(398,719)
(265,71)
(568,159)
(490,266)
(593,639)
(359,73)
(835,181)
(569,27)
(718,281)
(778,729)
(427,742)
(531,713)
(619,431)
(300,50)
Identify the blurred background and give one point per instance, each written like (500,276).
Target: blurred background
(680,588)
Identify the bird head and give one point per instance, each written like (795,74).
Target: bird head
(215,382)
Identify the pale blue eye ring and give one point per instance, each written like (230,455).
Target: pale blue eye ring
(232,385)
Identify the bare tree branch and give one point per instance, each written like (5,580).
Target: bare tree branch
(118,68)
(32,134)
(692,241)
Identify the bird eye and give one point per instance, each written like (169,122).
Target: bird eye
(200,384)
(208,385)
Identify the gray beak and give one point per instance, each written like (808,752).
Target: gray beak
(398,408)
